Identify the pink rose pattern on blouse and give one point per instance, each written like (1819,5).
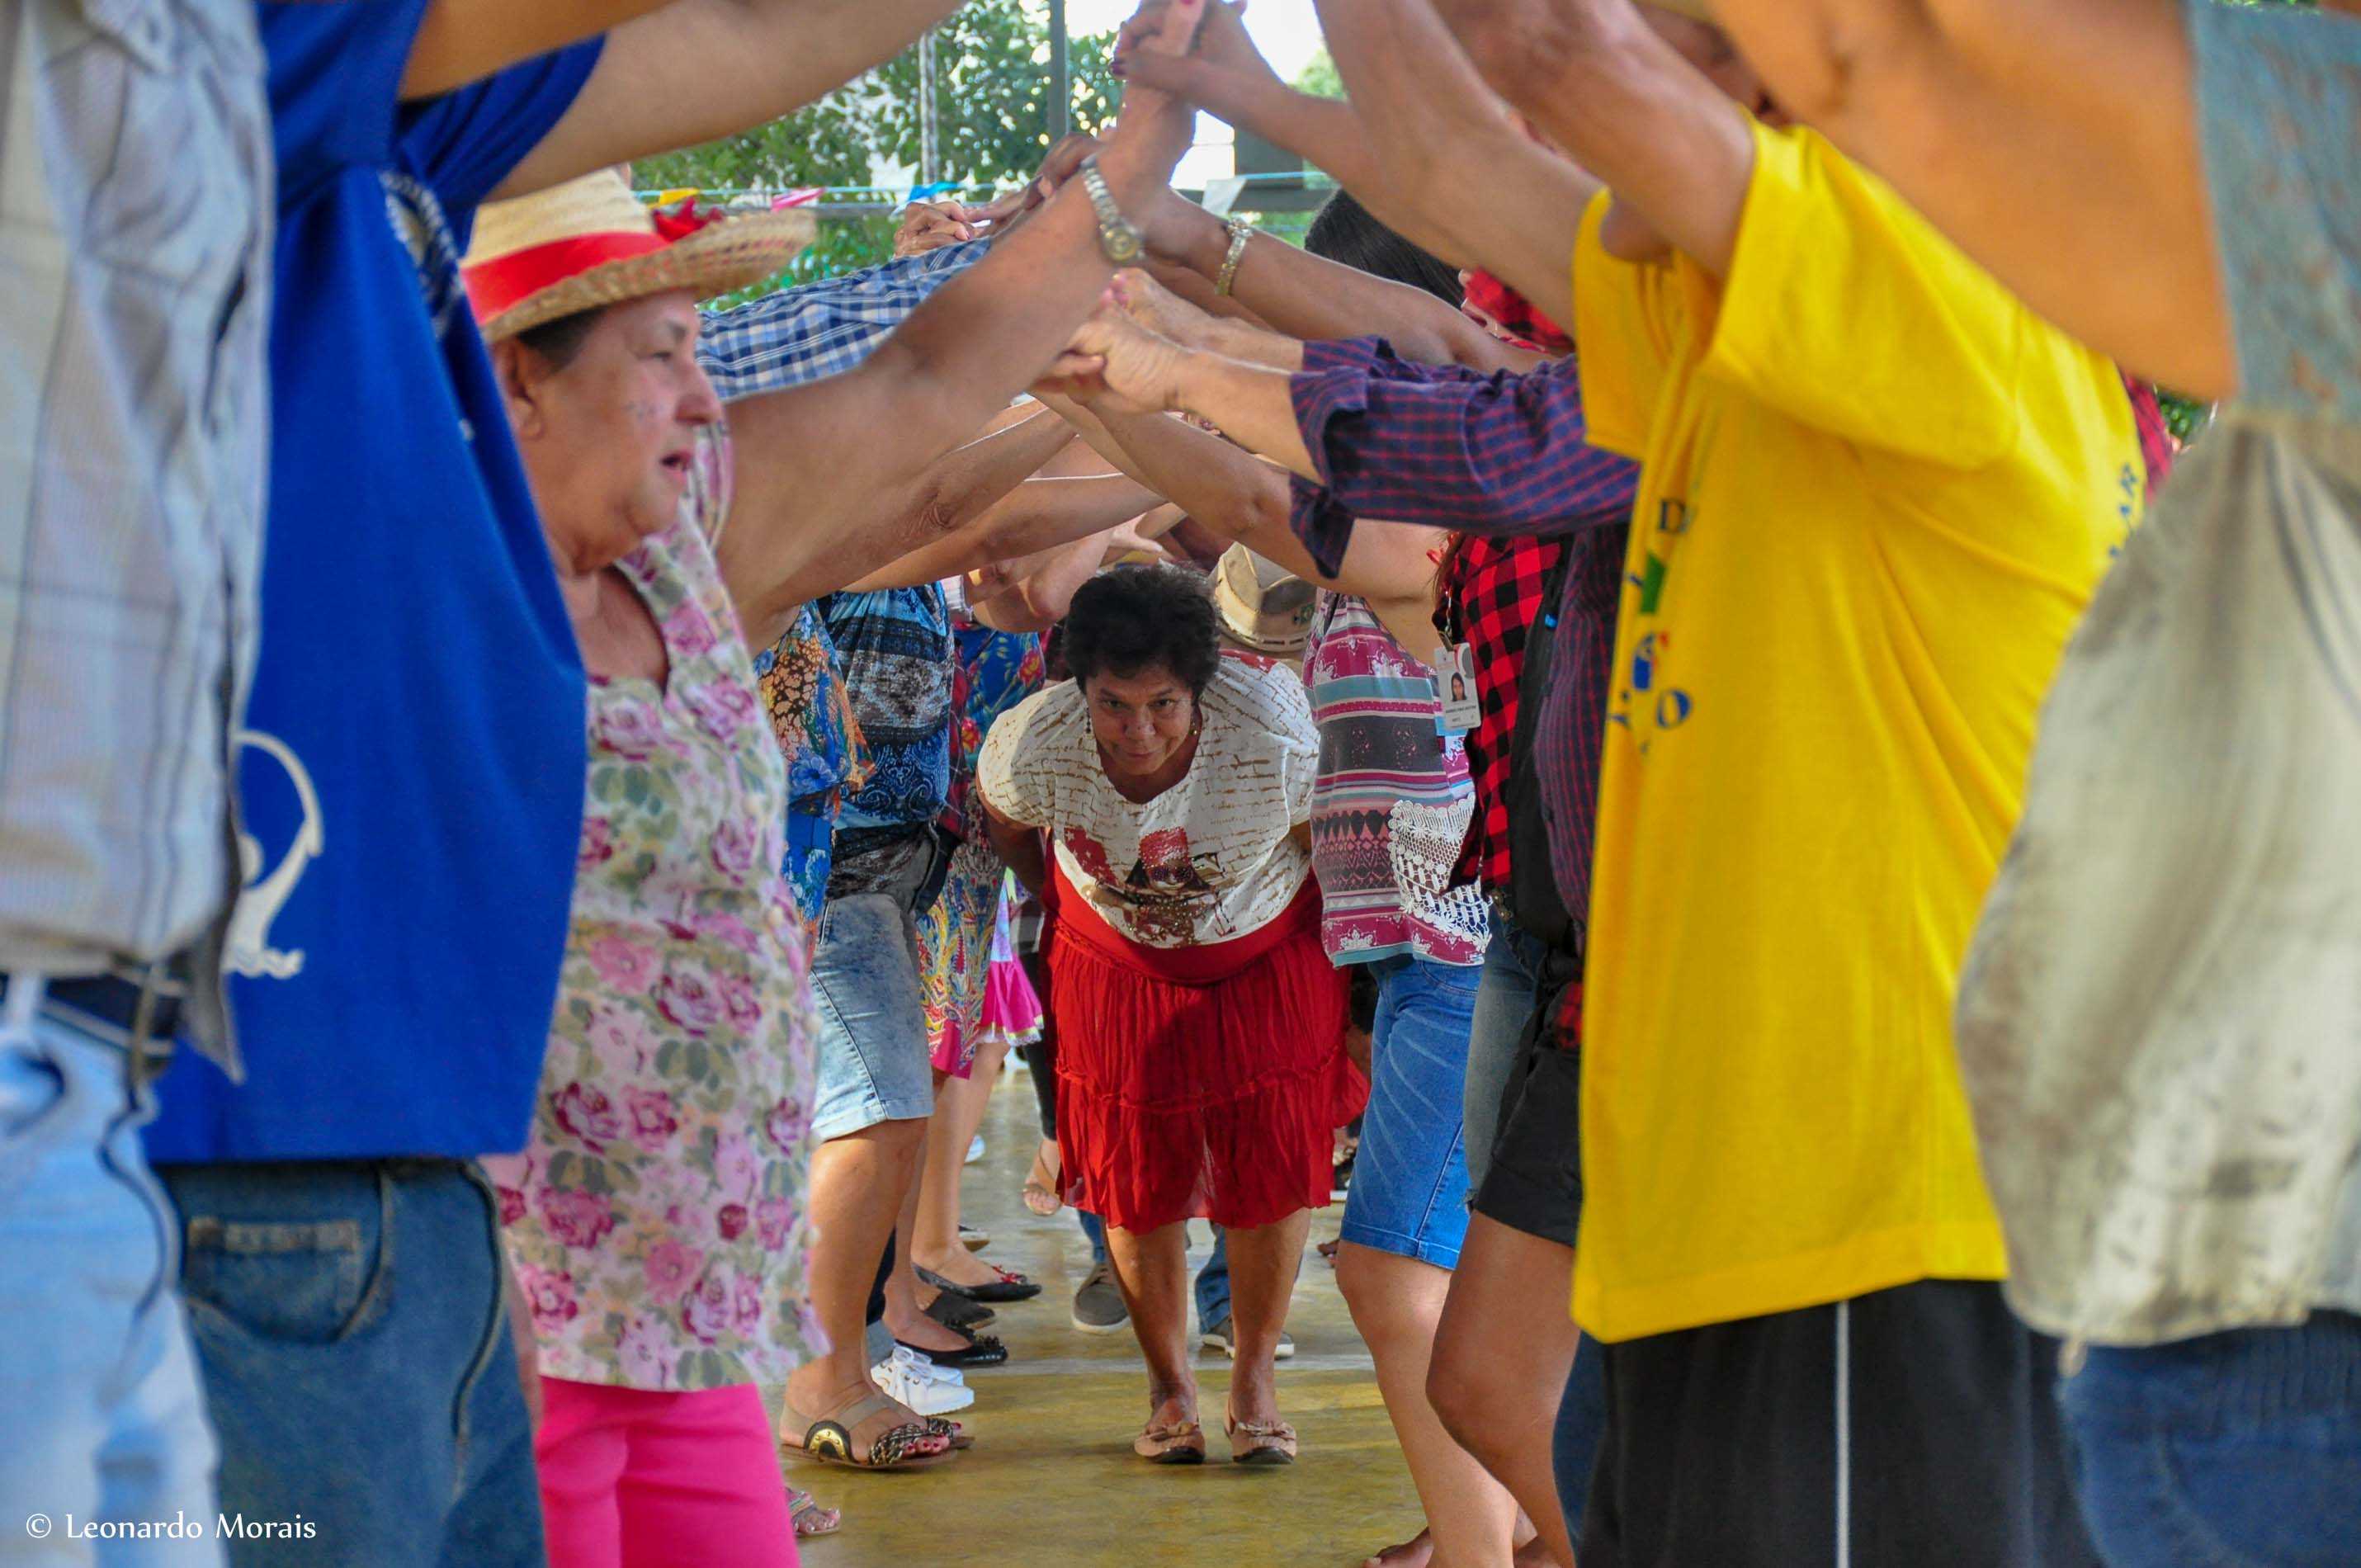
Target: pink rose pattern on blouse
(657,1219)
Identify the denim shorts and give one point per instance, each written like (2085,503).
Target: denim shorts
(873,1063)
(1408,1195)
(1512,968)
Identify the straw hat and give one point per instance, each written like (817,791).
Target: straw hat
(1262,607)
(590,242)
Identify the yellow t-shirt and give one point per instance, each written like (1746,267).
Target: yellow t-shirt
(1876,491)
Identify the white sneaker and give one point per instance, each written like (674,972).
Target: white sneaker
(919,1383)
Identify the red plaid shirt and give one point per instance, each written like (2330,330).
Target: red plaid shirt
(1491,597)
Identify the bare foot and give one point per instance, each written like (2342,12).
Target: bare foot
(1411,1553)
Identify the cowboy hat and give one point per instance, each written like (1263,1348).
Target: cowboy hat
(590,242)
(1262,607)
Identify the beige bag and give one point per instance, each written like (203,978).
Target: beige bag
(2159,1020)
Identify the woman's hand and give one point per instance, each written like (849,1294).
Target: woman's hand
(930,226)
(1153,128)
(1116,365)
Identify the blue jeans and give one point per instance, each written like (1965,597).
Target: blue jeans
(2238,1449)
(98,1390)
(1504,1002)
(1213,1280)
(1581,1426)
(1408,1195)
(357,1361)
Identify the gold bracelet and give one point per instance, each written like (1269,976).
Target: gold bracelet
(1241,231)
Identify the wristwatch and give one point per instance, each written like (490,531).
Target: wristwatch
(1241,232)
(1120,239)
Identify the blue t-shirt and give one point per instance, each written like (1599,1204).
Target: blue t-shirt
(412,764)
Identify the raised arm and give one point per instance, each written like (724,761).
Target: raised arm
(696,70)
(1038,515)
(2055,140)
(461,41)
(1249,501)
(823,464)
(1115,366)
(1296,292)
(1589,74)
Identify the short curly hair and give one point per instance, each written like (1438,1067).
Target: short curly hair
(1142,618)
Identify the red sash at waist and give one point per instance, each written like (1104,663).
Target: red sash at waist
(1202,964)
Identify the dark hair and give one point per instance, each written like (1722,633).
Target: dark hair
(1343,231)
(558,341)
(1142,618)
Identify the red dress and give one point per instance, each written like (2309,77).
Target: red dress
(1201,1082)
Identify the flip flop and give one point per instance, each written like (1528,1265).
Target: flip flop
(828,1440)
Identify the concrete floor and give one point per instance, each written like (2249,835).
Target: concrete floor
(1052,1479)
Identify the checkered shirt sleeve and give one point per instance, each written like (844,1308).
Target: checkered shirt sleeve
(821,328)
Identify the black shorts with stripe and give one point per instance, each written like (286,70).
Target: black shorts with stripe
(1912,1428)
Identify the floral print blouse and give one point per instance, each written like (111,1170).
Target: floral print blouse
(656,1220)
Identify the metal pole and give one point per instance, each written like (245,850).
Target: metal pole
(1061,79)
(930,161)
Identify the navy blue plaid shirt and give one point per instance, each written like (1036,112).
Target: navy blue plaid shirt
(821,328)
(1502,454)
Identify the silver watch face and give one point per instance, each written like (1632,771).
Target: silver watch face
(1120,242)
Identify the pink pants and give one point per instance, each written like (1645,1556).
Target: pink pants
(635,1479)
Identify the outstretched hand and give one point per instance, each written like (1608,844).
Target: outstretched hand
(1228,77)
(930,226)
(1115,366)
(1154,128)
(1223,49)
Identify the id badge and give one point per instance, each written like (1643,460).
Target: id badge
(1455,681)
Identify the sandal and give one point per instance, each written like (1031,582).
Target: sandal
(810,1519)
(910,1445)
(1008,1285)
(1182,1443)
(958,1436)
(1041,1194)
(1273,1441)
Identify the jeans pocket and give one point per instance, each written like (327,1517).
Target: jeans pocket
(308,1283)
(32,1096)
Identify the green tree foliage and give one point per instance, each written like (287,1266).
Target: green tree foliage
(992,85)
(1318,77)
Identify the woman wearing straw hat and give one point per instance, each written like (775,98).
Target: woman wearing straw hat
(657,1218)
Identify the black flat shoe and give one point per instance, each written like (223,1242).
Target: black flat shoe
(1009,1287)
(958,1312)
(980,1350)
